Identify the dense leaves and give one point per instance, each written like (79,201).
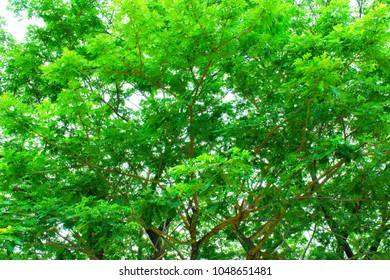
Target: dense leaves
(196,130)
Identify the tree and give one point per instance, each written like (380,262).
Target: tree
(196,130)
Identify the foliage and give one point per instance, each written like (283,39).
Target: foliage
(232,129)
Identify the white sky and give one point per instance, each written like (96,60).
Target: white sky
(17,28)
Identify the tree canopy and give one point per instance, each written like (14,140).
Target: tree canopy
(184,129)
